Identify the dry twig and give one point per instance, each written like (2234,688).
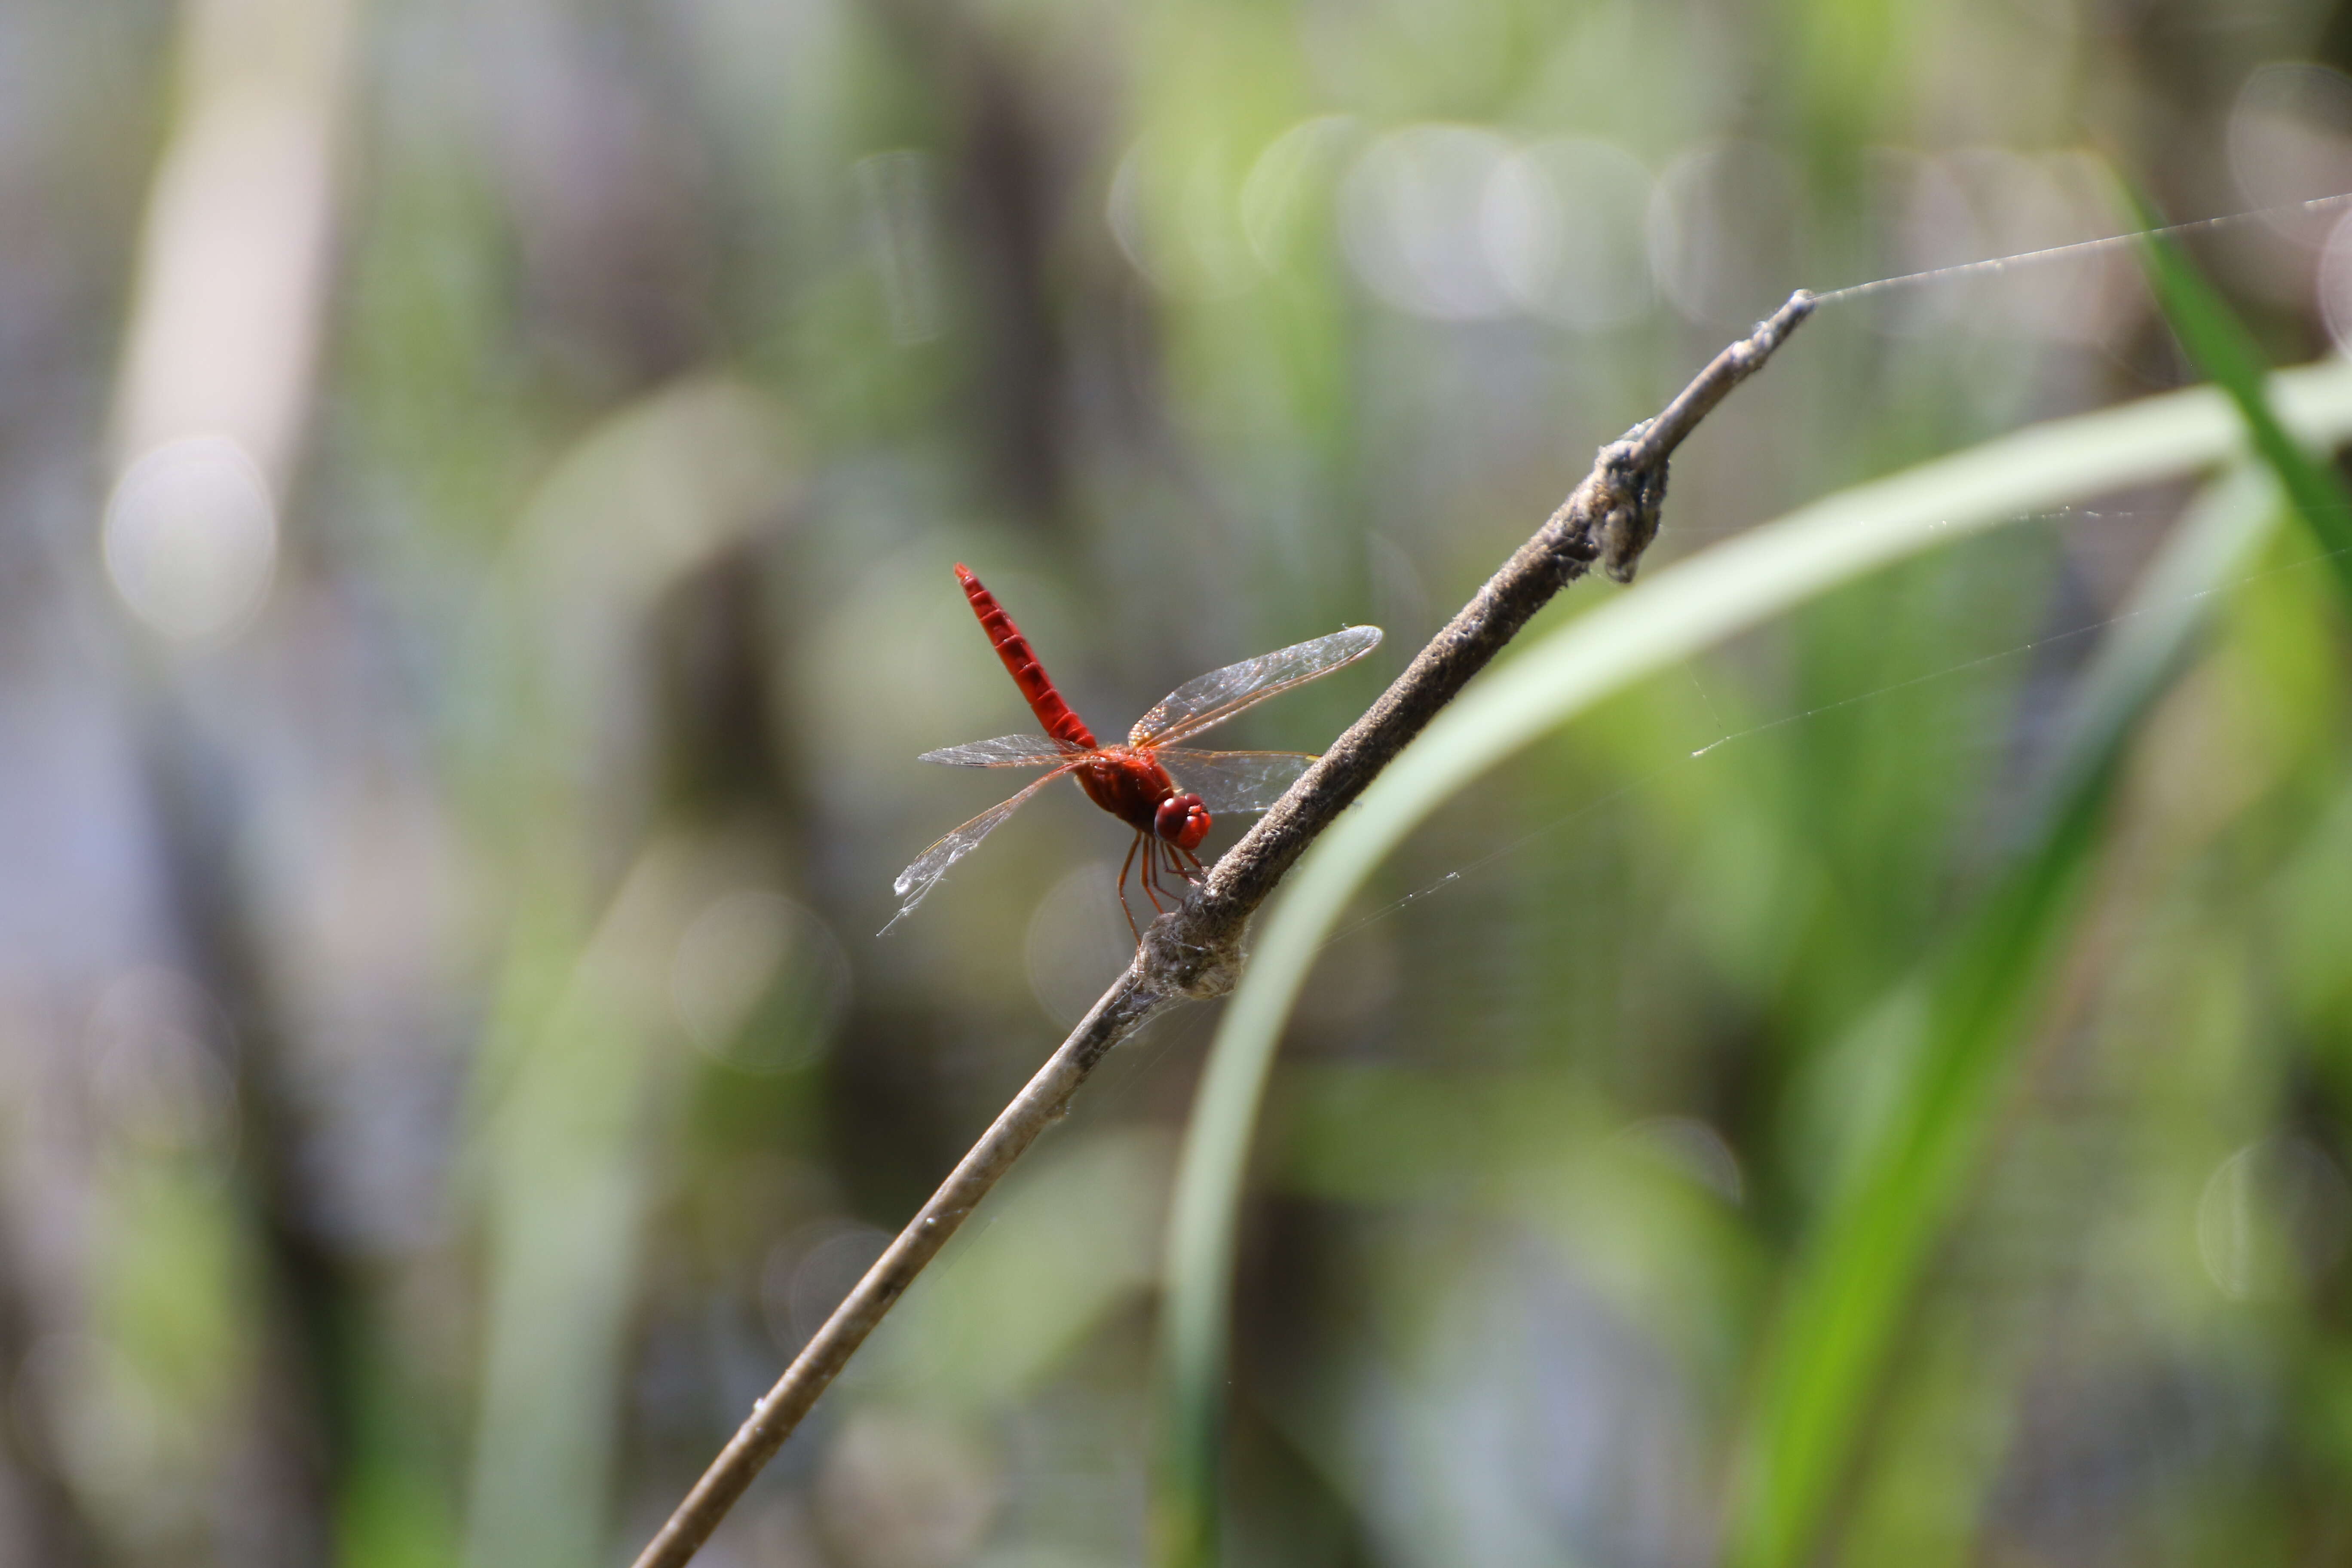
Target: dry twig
(1194,952)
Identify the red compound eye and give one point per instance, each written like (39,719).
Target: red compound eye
(1182,820)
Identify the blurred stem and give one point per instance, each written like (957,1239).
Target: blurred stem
(303,1404)
(562,1204)
(235,256)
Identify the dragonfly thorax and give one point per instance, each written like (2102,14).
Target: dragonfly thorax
(1130,783)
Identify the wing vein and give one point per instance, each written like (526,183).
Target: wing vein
(1212,698)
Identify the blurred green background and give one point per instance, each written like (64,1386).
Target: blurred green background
(478,486)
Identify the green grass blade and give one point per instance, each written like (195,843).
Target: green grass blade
(1844,1308)
(1846,1305)
(2219,345)
(1680,612)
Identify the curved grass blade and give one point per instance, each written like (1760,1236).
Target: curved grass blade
(1843,1310)
(1684,610)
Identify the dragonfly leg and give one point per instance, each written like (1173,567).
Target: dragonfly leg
(1151,877)
(1123,867)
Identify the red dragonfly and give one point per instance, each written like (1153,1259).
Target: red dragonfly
(1137,783)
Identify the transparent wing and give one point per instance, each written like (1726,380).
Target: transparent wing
(1005,752)
(1219,695)
(1233,781)
(915,883)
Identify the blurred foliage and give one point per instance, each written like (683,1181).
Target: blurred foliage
(448,1066)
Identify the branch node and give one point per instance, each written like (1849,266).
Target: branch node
(1191,956)
(1627,500)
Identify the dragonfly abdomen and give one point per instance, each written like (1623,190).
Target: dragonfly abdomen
(1059,718)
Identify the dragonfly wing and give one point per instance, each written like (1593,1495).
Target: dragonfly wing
(1217,696)
(915,883)
(1233,781)
(1005,752)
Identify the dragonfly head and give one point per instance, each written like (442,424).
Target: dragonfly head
(1182,820)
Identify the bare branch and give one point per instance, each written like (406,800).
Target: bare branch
(1194,952)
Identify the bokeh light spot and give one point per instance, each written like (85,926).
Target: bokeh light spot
(192,537)
(1563,225)
(1410,216)
(759,982)
(2272,1214)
